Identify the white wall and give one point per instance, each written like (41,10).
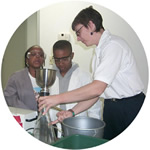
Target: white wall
(32,30)
(57,18)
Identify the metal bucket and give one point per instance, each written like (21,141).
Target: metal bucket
(83,126)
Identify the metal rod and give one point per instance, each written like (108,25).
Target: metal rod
(57,108)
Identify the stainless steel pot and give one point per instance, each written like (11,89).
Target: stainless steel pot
(83,126)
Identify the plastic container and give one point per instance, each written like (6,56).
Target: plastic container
(78,142)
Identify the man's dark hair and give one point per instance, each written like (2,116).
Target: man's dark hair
(86,15)
(62,44)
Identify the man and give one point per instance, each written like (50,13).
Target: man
(69,77)
(115,77)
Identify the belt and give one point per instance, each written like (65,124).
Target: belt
(126,98)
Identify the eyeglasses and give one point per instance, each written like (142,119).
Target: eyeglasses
(34,53)
(62,59)
(78,31)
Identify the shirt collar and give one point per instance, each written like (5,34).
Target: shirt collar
(105,36)
(73,68)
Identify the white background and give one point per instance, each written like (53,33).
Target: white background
(14,12)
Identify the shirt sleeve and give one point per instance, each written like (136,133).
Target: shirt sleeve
(11,94)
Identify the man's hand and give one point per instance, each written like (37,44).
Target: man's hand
(47,102)
(61,116)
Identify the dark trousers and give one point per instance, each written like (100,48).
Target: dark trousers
(120,113)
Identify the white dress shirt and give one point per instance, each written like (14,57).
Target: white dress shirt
(114,64)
